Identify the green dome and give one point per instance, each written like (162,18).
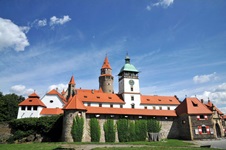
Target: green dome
(128,67)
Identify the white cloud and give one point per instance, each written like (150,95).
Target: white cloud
(56,21)
(12,36)
(205,78)
(217,95)
(60,87)
(21,90)
(42,23)
(162,3)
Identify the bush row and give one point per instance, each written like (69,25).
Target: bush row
(127,130)
(49,127)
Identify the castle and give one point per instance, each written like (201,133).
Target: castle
(191,119)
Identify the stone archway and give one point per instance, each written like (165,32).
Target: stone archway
(218,130)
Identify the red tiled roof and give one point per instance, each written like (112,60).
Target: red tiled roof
(160,100)
(55,92)
(192,106)
(106,64)
(75,103)
(72,81)
(98,96)
(224,116)
(210,104)
(32,100)
(51,111)
(130,111)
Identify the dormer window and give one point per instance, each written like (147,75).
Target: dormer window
(85,96)
(98,96)
(109,97)
(30,100)
(194,104)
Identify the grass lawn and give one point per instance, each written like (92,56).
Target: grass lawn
(162,145)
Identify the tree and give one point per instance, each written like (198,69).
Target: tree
(109,130)
(94,130)
(9,106)
(77,129)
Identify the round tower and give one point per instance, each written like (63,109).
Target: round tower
(106,79)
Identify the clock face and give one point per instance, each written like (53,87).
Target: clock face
(131,82)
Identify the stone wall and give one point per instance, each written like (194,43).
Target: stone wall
(184,127)
(169,126)
(195,123)
(5,132)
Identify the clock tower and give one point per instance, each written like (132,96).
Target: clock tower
(129,84)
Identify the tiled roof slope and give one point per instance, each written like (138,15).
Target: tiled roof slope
(130,111)
(106,64)
(32,100)
(55,92)
(192,106)
(210,106)
(98,96)
(51,111)
(75,103)
(161,100)
(72,81)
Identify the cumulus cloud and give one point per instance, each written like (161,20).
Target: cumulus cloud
(21,90)
(42,23)
(205,78)
(217,95)
(12,36)
(60,87)
(162,3)
(59,21)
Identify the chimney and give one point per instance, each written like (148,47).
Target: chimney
(201,100)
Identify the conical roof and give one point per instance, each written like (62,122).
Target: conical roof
(72,81)
(106,64)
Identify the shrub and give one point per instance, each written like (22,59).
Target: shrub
(77,129)
(48,126)
(94,130)
(132,133)
(153,125)
(141,130)
(109,131)
(123,130)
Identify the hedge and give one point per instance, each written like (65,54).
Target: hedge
(109,131)
(94,130)
(141,130)
(153,126)
(77,129)
(123,130)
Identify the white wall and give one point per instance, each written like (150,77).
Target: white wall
(29,113)
(52,101)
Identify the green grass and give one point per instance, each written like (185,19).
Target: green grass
(162,145)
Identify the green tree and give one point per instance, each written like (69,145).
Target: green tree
(132,133)
(77,129)
(94,130)
(141,130)
(123,130)
(153,126)
(109,130)
(9,106)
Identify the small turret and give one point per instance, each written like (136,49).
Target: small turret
(71,88)
(106,78)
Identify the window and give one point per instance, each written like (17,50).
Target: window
(201,117)
(168,108)
(132,106)
(111,105)
(132,98)
(100,105)
(85,96)
(88,104)
(204,129)
(131,89)
(51,101)
(145,107)
(28,107)
(160,108)
(154,107)
(35,108)
(23,107)
(121,106)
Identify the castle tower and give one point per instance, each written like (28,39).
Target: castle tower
(71,88)
(129,84)
(106,79)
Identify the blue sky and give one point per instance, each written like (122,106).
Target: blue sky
(178,46)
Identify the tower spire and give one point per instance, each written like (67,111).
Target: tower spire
(106,78)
